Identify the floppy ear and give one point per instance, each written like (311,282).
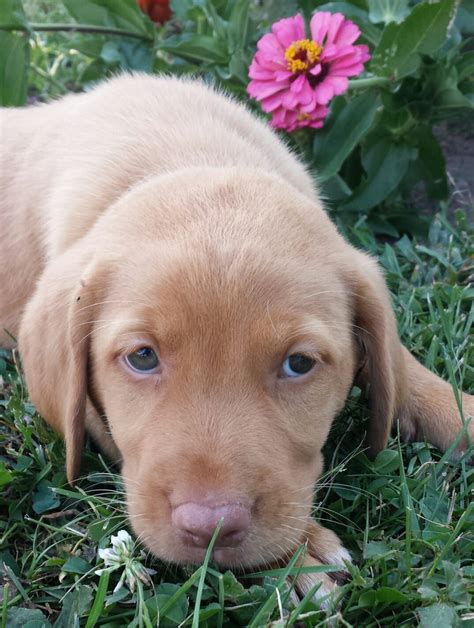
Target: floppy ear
(54,346)
(400,388)
(381,364)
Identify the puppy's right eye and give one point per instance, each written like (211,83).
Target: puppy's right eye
(143,360)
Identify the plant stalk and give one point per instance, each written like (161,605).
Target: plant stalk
(373,81)
(75,28)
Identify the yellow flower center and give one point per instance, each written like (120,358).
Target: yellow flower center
(302,55)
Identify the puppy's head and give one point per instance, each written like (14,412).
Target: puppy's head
(215,332)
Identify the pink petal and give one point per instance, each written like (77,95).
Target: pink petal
(269,63)
(324,92)
(272,102)
(340,84)
(347,34)
(256,72)
(289,30)
(335,24)
(316,70)
(262,89)
(270,45)
(319,26)
(283,75)
(290,100)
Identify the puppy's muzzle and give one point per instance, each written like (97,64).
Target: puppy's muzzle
(195,523)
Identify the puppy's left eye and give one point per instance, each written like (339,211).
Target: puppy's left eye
(297,364)
(143,360)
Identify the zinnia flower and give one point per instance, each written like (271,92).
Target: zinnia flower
(294,78)
(157,10)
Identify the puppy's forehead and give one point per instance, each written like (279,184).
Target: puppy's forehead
(216,288)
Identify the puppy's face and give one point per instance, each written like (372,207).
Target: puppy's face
(220,363)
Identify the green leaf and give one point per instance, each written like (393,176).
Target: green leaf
(432,163)
(112,14)
(14,59)
(391,596)
(386,164)
(376,549)
(238,25)
(75,564)
(388,11)
(12,13)
(465,66)
(5,475)
(386,461)
(437,616)
(197,48)
(384,595)
(21,617)
(76,603)
(44,498)
(423,32)
(178,612)
(335,143)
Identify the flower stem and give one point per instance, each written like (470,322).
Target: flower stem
(373,81)
(75,28)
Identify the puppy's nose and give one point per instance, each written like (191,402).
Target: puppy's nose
(195,523)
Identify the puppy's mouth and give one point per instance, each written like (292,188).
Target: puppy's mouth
(224,557)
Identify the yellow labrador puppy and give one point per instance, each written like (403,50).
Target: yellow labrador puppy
(179,293)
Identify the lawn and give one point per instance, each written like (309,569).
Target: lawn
(407,517)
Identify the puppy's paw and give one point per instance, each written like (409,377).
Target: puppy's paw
(323,587)
(324,547)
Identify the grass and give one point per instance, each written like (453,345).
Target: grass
(407,517)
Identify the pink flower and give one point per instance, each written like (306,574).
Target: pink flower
(294,78)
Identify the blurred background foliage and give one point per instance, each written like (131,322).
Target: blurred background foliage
(379,154)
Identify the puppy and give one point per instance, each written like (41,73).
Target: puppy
(179,293)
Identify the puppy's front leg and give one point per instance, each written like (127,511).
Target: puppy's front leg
(323,548)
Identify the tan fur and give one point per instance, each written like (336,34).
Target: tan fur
(154,211)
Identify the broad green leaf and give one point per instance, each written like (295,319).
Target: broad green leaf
(386,165)
(437,616)
(14,58)
(452,97)
(179,610)
(423,32)
(21,617)
(113,14)
(44,498)
(76,603)
(388,11)
(75,564)
(197,48)
(335,189)
(465,66)
(238,25)
(5,475)
(387,460)
(376,549)
(334,145)
(432,163)
(218,25)
(129,54)
(465,17)
(12,13)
